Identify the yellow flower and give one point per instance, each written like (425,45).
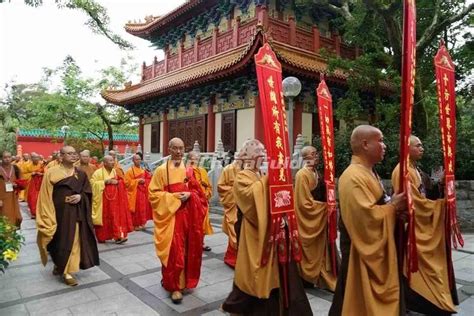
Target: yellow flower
(10,255)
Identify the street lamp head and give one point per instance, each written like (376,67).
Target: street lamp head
(291,87)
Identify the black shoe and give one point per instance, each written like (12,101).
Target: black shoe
(206,248)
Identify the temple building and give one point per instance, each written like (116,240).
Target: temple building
(205,88)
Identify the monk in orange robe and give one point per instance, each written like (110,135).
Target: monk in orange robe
(84,163)
(225,188)
(179,207)
(429,290)
(368,281)
(137,181)
(110,213)
(36,170)
(311,213)
(25,175)
(201,176)
(9,189)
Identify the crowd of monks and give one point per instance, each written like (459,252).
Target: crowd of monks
(78,203)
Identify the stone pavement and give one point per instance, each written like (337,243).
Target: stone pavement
(127,282)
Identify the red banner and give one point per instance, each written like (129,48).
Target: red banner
(327,139)
(281,196)
(278,154)
(445,81)
(408,92)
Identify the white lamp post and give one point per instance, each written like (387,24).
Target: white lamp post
(291,89)
(64,130)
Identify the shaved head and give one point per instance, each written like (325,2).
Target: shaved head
(307,150)
(361,134)
(109,162)
(175,141)
(176,148)
(367,143)
(416,149)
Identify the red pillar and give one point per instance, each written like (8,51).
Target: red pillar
(258,126)
(211,127)
(165,134)
(297,120)
(140,133)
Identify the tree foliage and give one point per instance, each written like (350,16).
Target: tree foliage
(376,27)
(98,20)
(70,103)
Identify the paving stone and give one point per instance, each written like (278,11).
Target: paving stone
(216,275)
(123,304)
(219,249)
(457,255)
(189,302)
(62,301)
(150,263)
(15,310)
(214,292)
(130,268)
(61,312)
(158,291)
(215,240)
(9,294)
(42,287)
(91,275)
(108,290)
(214,313)
(466,308)
(148,280)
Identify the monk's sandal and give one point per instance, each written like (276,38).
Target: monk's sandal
(176,297)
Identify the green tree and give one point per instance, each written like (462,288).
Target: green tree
(98,18)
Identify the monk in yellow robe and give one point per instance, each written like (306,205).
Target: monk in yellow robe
(36,170)
(137,180)
(110,213)
(64,219)
(256,289)
(226,194)
(117,166)
(84,163)
(25,174)
(9,189)
(201,176)
(368,282)
(315,266)
(55,160)
(428,291)
(179,207)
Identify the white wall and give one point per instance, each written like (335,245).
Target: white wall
(218,128)
(147,138)
(307,127)
(245,126)
(162,141)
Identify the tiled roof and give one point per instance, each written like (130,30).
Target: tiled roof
(208,68)
(153,23)
(37,132)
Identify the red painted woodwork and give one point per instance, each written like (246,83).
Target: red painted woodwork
(258,127)
(205,49)
(141,132)
(224,42)
(155,138)
(304,39)
(166,137)
(211,128)
(189,130)
(228,130)
(173,63)
(188,57)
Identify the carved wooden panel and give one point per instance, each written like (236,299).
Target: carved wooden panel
(327,43)
(189,130)
(173,63)
(228,133)
(204,49)
(160,68)
(188,56)
(246,32)
(147,74)
(280,32)
(304,40)
(155,137)
(224,42)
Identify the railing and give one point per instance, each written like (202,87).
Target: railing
(241,33)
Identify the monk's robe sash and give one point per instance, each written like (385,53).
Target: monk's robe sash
(186,246)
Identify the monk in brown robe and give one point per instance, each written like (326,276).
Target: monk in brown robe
(9,188)
(429,290)
(64,219)
(256,289)
(225,187)
(36,170)
(179,207)
(84,163)
(368,282)
(315,266)
(201,176)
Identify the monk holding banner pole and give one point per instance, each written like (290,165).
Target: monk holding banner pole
(269,240)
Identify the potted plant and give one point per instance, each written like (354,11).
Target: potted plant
(10,243)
